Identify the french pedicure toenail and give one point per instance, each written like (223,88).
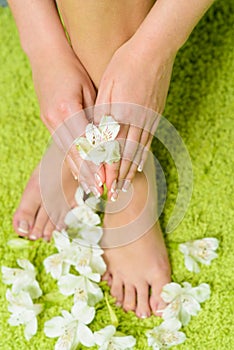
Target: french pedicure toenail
(118,304)
(98,180)
(23,227)
(33,237)
(126,185)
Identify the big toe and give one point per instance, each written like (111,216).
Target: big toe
(156,302)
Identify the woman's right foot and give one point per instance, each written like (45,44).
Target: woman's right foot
(31,219)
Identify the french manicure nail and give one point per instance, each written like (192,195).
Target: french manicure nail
(114,197)
(74,175)
(23,227)
(126,185)
(113,186)
(95,192)
(140,167)
(85,187)
(98,180)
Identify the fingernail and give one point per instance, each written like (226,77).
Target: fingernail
(140,166)
(113,186)
(126,185)
(85,187)
(23,227)
(98,180)
(114,197)
(73,166)
(95,192)
(74,175)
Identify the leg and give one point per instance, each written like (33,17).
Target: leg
(93,26)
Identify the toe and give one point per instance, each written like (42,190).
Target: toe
(156,302)
(108,278)
(129,303)
(117,290)
(48,230)
(143,307)
(39,225)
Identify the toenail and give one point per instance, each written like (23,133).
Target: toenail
(98,180)
(23,227)
(143,316)
(33,237)
(118,303)
(126,185)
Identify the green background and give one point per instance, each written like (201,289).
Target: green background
(201,106)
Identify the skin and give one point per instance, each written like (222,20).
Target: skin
(89,73)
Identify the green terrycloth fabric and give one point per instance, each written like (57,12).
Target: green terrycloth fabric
(201,106)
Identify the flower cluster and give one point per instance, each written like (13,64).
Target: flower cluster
(199,251)
(24,289)
(78,248)
(99,145)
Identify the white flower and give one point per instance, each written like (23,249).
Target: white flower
(91,201)
(71,328)
(23,312)
(90,258)
(22,279)
(88,235)
(100,145)
(166,335)
(184,301)
(106,340)
(83,288)
(59,264)
(201,250)
(81,216)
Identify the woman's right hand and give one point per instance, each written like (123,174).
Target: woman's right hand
(64,89)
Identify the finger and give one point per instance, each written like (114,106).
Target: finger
(144,155)
(129,152)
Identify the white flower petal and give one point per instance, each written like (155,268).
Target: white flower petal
(53,265)
(26,265)
(83,313)
(93,135)
(91,234)
(92,202)
(31,328)
(54,327)
(212,243)
(85,335)
(124,342)
(18,243)
(61,240)
(170,291)
(113,152)
(172,325)
(79,195)
(109,128)
(191,264)
(98,154)
(83,147)
(104,334)
(68,284)
(202,292)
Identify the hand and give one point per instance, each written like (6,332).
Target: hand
(136,78)
(64,89)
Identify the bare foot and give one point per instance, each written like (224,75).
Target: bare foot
(31,218)
(138,271)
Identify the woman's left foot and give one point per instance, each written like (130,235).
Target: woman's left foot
(136,272)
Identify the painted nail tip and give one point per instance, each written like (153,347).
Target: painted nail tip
(33,237)
(113,199)
(21,230)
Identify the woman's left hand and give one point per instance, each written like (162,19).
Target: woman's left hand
(133,78)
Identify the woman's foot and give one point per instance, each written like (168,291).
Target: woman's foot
(138,271)
(31,219)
